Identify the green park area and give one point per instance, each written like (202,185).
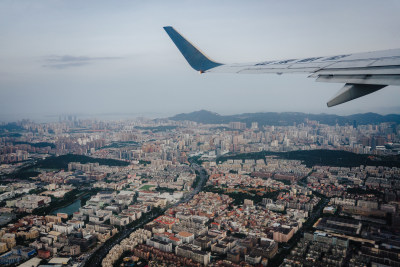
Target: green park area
(147,187)
(58,163)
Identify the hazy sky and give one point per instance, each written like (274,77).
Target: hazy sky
(114,56)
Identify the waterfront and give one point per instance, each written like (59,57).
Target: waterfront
(70,209)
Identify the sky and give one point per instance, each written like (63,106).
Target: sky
(113,57)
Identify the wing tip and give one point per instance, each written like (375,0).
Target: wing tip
(329,104)
(196,59)
(353,91)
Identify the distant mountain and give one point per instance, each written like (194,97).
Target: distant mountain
(285,118)
(199,116)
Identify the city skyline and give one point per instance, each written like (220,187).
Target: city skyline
(152,192)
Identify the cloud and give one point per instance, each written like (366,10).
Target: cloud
(68,61)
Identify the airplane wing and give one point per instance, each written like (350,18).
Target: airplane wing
(362,73)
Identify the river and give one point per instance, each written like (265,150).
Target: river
(70,209)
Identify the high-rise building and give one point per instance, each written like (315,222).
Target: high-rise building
(237,125)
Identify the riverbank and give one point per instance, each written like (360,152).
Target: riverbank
(68,199)
(70,209)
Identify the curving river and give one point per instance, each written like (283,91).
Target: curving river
(70,209)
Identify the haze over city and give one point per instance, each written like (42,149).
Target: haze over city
(100,57)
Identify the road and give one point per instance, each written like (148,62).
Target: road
(284,251)
(101,251)
(200,184)
(98,254)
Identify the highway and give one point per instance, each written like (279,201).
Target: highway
(98,254)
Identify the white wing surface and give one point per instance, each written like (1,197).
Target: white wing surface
(362,73)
